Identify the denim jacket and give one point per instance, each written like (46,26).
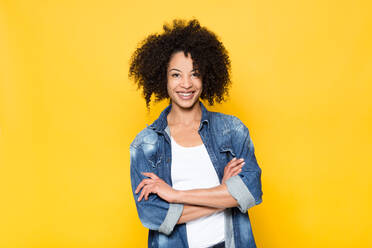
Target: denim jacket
(224,137)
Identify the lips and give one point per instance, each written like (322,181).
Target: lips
(186,95)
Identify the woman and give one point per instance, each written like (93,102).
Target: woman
(194,173)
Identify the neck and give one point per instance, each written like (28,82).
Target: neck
(183,116)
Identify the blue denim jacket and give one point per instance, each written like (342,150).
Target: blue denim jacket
(224,137)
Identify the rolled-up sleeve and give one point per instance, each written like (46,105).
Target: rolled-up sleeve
(154,213)
(173,214)
(245,187)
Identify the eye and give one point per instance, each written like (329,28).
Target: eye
(175,75)
(196,74)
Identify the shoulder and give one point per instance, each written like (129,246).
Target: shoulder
(146,136)
(226,122)
(144,145)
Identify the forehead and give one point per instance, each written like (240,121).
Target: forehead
(179,61)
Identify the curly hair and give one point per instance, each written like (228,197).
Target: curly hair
(149,62)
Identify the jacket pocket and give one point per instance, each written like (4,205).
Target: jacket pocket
(227,154)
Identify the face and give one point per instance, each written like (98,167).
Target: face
(184,82)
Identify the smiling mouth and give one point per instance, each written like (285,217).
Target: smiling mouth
(186,95)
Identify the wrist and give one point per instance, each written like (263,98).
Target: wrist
(177,196)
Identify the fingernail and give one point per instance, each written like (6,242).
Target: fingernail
(243,163)
(242,159)
(234,158)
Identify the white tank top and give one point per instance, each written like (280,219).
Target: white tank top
(192,169)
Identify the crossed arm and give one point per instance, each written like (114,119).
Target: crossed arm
(197,202)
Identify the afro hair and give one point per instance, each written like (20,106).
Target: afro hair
(149,62)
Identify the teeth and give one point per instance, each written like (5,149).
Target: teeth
(185,94)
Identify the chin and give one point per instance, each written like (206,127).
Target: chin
(186,104)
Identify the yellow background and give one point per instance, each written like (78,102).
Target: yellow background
(302,74)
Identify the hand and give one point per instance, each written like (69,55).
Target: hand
(155,185)
(233,168)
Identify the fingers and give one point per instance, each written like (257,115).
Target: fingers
(236,173)
(234,167)
(142,194)
(231,161)
(146,185)
(236,170)
(146,191)
(142,183)
(233,171)
(150,174)
(234,163)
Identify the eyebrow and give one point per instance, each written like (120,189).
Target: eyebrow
(180,71)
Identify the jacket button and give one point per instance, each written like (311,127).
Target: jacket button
(168,159)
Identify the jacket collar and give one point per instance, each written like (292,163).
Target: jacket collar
(160,124)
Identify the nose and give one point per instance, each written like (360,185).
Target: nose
(186,82)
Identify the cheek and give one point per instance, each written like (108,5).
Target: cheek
(170,86)
(200,84)
(172,83)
